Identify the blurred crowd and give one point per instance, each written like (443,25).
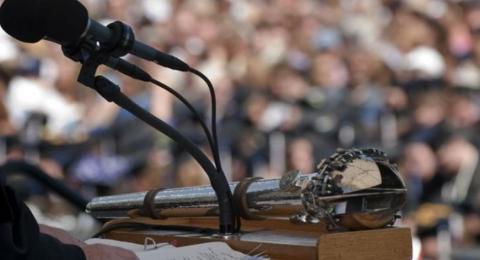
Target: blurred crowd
(295,80)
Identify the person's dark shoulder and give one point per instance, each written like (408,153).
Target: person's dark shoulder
(20,237)
(6,210)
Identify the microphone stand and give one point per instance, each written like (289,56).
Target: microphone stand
(91,54)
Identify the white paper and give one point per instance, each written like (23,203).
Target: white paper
(204,251)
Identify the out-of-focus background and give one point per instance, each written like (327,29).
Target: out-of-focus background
(295,79)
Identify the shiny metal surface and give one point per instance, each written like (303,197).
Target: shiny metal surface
(260,194)
(359,183)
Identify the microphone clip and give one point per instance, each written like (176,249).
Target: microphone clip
(91,54)
(120,43)
(122,39)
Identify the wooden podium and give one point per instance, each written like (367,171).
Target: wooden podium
(278,239)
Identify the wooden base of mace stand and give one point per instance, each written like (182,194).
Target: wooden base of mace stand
(279,239)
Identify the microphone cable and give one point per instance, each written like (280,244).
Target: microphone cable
(216,155)
(213,126)
(194,112)
(138,73)
(214,147)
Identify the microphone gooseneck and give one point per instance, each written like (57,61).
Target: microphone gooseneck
(112,93)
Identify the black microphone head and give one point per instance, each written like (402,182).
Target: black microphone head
(66,20)
(63,21)
(19,18)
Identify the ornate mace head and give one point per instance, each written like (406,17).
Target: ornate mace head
(354,189)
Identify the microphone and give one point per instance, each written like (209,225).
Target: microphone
(67,23)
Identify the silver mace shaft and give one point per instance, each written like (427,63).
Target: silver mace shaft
(356,189)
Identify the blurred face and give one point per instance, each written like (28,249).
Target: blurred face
(428,115)
(460,41)
(419,161)
(255,108)
(364,66)
(289,85)
(473,18)
(430,109)
(301,155)
(463,112)
(67,74)
(118,8)
(476,48)
(455,154)
(430,248)
(408,31)
(329,71)
(359,67)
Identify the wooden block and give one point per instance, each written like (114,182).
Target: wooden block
(379,244)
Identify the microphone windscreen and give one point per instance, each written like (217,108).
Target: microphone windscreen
(63,21)
(20,19)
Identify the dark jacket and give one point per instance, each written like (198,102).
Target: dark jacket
(20,237)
